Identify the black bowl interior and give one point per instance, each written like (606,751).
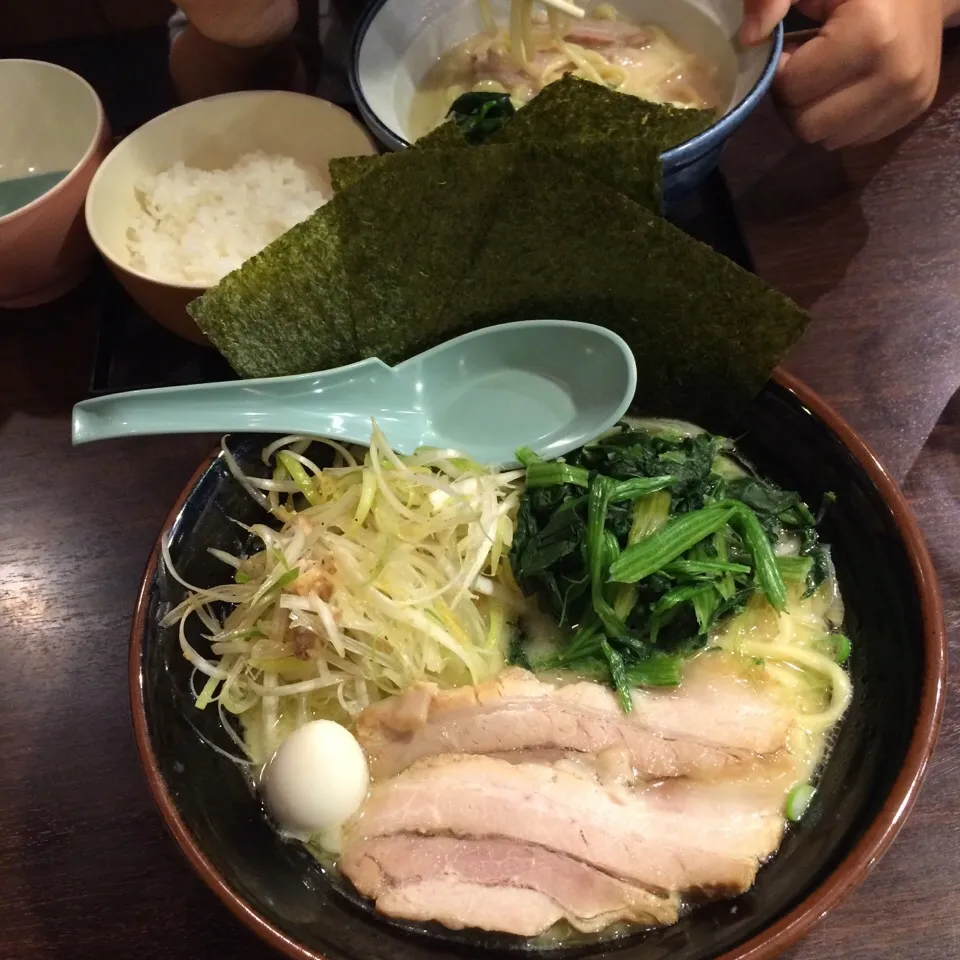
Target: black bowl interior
(288,888)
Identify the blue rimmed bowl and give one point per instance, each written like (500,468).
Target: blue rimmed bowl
(398,41)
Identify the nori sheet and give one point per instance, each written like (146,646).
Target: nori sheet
(601,114)
(287,309)
(631,167)
(409,231)
(705,333)
(346,171)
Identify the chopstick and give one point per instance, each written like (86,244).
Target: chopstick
(565,7)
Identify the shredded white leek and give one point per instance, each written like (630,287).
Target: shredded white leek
(386,570)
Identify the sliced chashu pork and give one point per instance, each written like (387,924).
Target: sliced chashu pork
(495,884)
(713,722)
(676,836)
(605,33)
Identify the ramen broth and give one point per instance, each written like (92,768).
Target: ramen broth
(641,60)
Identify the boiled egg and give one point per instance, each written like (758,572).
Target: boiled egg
(316,781)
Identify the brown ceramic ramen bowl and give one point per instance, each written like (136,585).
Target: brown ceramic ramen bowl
(53,124)
(866,790)
(210,134)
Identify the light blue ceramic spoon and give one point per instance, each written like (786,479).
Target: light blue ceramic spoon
(548,384)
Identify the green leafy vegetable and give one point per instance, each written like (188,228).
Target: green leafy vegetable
(766,571)
(642,542)
(599,553)
(478,114)
(677,537)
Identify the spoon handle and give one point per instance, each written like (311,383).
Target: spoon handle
(311,403)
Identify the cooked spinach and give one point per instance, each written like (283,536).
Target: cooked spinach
(641,542)
(478,115)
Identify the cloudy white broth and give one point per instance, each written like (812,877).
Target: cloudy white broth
(535,48)
(563,700)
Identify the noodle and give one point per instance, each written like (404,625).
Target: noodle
(517,10)
(486,14)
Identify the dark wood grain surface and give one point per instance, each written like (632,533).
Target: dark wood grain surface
(869,240)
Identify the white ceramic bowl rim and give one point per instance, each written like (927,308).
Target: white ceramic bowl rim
(676,156)
(91,147)
(103,172)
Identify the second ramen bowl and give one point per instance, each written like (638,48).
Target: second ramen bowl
(397,42)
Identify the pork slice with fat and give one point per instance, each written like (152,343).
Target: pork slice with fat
(604,33)
(495,884)
(712,723)
(676,836)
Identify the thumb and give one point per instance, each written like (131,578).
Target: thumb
(760,17)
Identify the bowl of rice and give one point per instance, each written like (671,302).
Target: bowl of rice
(191,195)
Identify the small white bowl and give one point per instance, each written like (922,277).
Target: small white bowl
(398,41)
(210,134)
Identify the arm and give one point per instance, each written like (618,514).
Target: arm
(202,68)
(236,45)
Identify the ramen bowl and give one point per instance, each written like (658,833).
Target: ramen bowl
(398,41)
(53,136)
(867,788)
(210,134)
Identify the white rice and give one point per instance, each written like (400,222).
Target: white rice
(199,225)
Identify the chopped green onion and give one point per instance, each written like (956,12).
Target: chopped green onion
(241,577)
(300,477)
(836,646)
(798,801)
(206,694)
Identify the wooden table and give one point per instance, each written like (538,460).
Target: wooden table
(869,241)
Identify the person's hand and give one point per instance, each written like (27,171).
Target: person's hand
(242,23)
(873,67)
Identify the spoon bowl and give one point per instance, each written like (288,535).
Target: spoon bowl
(551,385)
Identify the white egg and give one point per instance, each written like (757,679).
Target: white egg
(316,780)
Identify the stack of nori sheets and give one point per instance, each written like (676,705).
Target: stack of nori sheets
(556,215)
